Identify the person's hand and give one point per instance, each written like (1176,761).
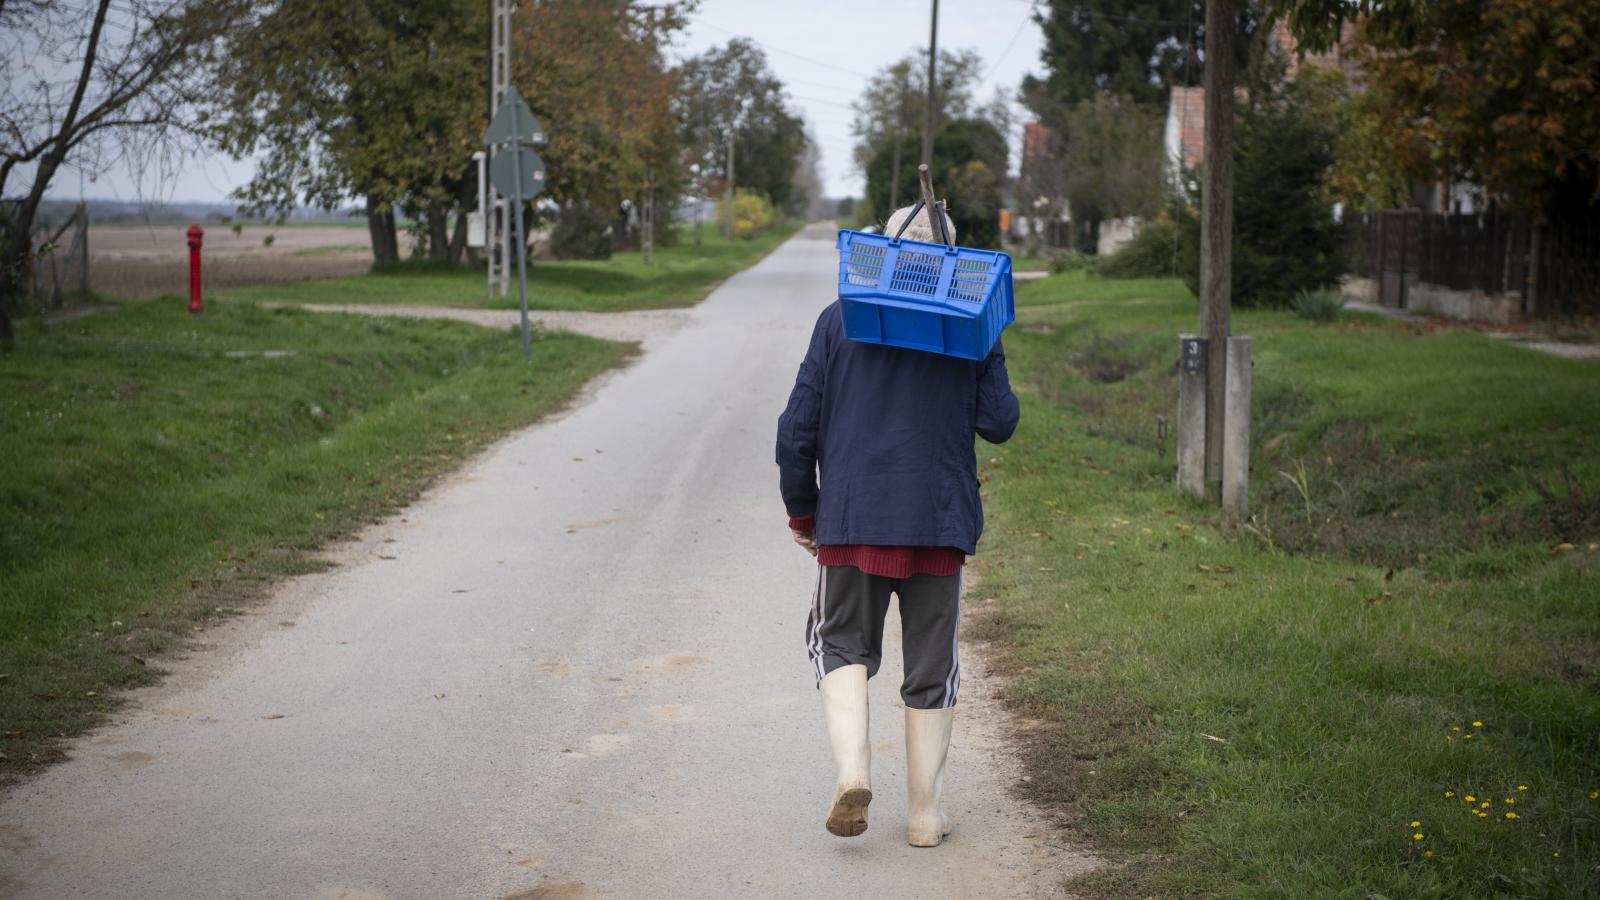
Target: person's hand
(806,539)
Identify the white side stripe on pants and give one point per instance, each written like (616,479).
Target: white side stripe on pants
(817,608)
(952,684)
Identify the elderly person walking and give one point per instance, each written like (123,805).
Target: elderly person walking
(896,512)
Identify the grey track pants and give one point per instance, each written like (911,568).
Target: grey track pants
(846,628)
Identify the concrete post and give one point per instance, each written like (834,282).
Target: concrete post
(1192,415)
(1236,430)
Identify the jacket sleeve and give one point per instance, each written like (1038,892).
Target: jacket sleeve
(798,428)
(998,410)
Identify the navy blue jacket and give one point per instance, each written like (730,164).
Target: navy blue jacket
(892,432)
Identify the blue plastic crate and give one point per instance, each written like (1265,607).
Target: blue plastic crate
(923,296)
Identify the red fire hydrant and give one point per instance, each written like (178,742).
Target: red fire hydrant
(196,234)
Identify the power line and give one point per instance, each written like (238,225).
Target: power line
(1006,52)
(777,49)
(1085,11)
(822,101)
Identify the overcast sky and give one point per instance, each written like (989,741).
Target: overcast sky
(823,50)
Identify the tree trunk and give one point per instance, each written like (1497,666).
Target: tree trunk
(14,257)
(619,229)
(458,240)
(438,231)
(380,225)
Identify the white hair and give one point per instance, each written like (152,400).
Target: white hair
(921,228)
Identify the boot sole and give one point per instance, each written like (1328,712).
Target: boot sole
(930,839)
(848,818)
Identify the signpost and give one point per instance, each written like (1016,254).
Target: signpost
(518,173)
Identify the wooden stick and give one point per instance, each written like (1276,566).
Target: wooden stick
(935,211)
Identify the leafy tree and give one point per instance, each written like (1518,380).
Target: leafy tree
(1133,49)
(596,74)
(1502,93)
(808,199)
(1115,163)
(1284,236)
(727,91)
(969,170)
(84,85)
(380,99)
(892,107)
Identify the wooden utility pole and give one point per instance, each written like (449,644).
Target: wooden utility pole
(933,91)
(1216,223)
(899,126)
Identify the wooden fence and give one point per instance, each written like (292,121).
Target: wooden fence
(1554,267)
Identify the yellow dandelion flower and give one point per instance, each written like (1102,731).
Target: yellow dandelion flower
(1455,727)
(1429,853)
(1522,787)
(1510,800)
(1470,798)
(1556,855)
(1483,815)
(1483,805)
(1477,724)
(1449,793)
(1416,824)
(1466,737)
(1417,836)
(1594,795)
(1511,815)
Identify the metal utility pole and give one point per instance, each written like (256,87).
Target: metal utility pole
(727,227)
(927,119)
(1216,224)
(497,244)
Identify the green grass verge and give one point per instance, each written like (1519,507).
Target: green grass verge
(1265,711)
(680,275)
(154,482)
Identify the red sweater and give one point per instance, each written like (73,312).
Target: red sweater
(890,562)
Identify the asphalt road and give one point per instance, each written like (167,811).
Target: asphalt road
(574,670)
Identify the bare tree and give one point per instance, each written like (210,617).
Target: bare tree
(86,85)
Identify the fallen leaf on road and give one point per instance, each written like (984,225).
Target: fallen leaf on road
(438,696)
(381,556)
(273,716)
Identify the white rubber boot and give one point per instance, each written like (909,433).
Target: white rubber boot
(927,743)
(844,708)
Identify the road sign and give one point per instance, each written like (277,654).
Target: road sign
(518,173)
(514,121)
(502,171)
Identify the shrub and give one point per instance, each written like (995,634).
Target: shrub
(581,232)
(1070,261)
(1319,305)
(1148,254)
(752,212)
